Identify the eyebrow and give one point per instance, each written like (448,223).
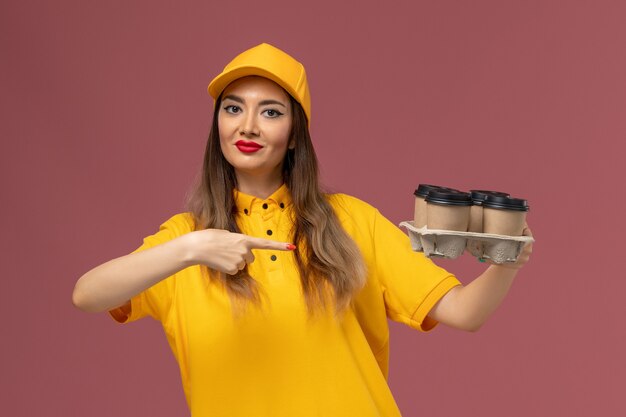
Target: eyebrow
(262,103)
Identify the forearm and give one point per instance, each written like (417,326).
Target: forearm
(115,282)
(468,307)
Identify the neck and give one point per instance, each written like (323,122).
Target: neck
(258,186)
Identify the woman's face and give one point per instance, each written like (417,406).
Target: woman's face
(254,122)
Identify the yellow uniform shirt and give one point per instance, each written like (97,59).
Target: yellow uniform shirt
(275,361)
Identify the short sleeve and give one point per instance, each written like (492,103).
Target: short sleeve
(157,300)
(412,284)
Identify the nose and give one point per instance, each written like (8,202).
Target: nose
(249,125)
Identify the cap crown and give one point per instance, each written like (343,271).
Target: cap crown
(270,62)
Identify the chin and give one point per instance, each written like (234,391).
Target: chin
(261,171)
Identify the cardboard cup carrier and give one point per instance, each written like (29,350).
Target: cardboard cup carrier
(488,224)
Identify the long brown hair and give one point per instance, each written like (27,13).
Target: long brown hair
(329,261)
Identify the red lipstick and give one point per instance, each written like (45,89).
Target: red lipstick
(247,146)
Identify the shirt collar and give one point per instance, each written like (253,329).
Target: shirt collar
(246,203)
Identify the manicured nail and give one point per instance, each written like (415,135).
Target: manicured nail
(481,260)
(291,246)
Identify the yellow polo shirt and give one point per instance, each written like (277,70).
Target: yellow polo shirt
(274,361)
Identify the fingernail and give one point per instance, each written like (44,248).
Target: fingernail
(291,246)
(481,260)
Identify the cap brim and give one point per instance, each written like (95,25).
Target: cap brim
(220,82)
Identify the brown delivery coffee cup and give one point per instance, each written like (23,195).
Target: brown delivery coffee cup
(476,212)
(504,215)
(448,210)
(419,218)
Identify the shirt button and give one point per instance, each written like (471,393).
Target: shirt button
(282,205)
(269,232)
(273,257)
(265,205)
(245,211)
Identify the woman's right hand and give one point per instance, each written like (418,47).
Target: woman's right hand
(225,251)
(115,282)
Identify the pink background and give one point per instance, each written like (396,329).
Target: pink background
(104,120)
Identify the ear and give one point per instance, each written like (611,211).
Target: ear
(292,143)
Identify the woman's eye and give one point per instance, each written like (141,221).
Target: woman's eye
(272,113)
(232,109)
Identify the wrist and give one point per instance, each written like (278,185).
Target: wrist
(186,249)
(504,270)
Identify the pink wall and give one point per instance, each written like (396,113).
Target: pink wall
(104,119)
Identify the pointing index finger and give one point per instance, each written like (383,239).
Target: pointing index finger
(260,243)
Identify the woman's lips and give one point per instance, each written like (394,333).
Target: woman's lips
(247,147)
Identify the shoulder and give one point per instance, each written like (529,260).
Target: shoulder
(180,223)
(177,225)
(348,202)
(349,207)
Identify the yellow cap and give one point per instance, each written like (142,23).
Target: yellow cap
(270,62)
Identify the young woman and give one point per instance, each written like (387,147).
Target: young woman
(274,296)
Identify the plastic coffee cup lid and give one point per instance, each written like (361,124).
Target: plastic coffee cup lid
(449,198)
(478,196)
(505,203)
(423,189)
